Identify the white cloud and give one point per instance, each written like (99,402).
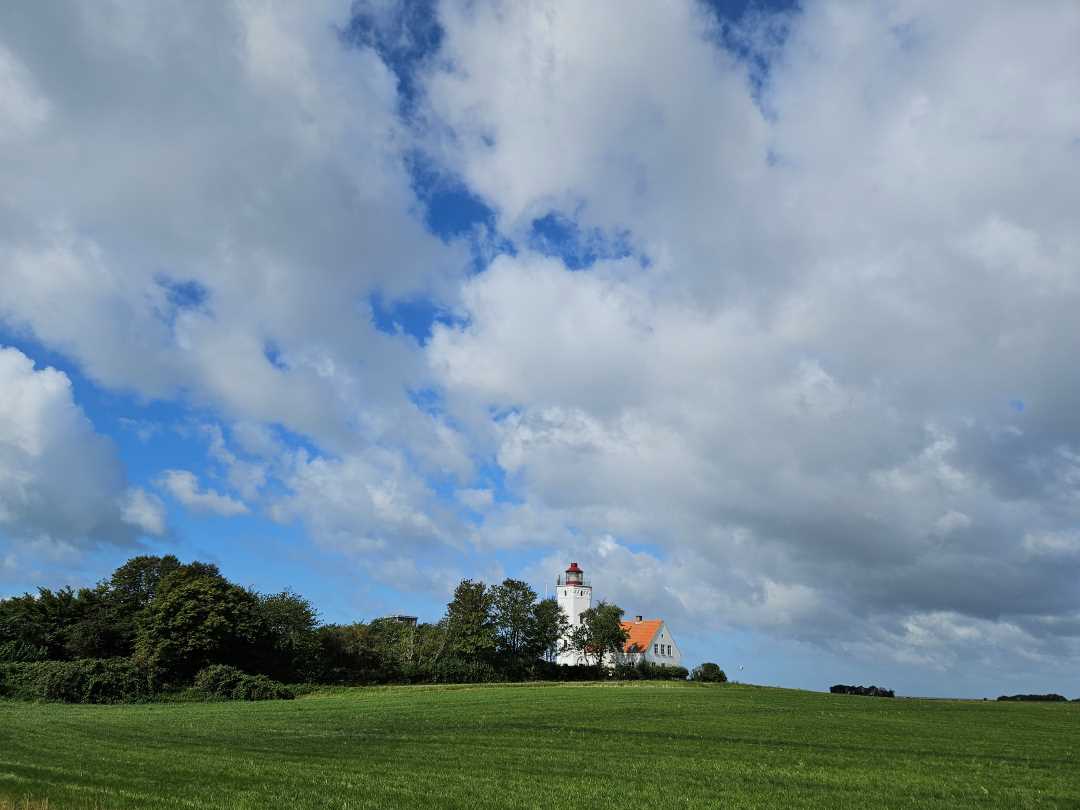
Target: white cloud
(479,500)
(215,221)
(145,511)
(369,502)
(245,476)
(1062,544)
(22,109)
(950,522)
(800,391)
(257,440)
(805,397)
(60,481)
(184,486)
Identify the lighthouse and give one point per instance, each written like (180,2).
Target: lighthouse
(646,639)
(574,596)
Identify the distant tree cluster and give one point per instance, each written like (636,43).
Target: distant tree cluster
(868,691)
(1050,698)
(152,626)
(708,673)
(158,625)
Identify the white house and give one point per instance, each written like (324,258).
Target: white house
(649,639)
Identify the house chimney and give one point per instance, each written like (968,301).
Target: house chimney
(637,620)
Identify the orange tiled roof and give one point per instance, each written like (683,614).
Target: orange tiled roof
(641,633)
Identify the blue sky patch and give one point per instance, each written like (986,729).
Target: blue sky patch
(557,235)
(415,317)
(403,35)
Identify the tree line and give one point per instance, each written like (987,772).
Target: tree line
(158,625)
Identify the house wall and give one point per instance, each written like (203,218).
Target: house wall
(657,654)
(662,636)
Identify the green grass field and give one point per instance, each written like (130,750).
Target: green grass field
(544,746)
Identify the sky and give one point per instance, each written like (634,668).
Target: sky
(765,314)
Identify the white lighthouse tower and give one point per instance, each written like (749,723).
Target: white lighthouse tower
(574,597)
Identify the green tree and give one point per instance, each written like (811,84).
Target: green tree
(131,589)
(44,623)
(99,628)
(428,643)
(196,618)
(470,623)
(347,655)
(61,625)
(135,583)
(549,626)
(708,673)
(514,615)
(33,627)
(291,647)
(469,641)
(600,633)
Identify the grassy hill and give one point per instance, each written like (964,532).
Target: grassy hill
(544,746)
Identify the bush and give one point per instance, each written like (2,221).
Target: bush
(867,691)
(646,671)
(708,673)
(459,670)
(85,680)
(21,651)
(550,671)
(219,680)
(223,682)
(301,689)
(1051,698)
(259,687)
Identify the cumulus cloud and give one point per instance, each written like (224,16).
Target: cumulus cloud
(145,511)
(216,191)
(377,511)
(801,386)
(363,502)
(1063,543)
(478,500)
(22,109)
(61,482)
(819,383)
(184,486)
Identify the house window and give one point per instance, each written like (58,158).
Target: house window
(655,649)
(669,649)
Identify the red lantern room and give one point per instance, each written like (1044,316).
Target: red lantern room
(574,574)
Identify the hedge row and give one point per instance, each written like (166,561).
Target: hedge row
(646,671)
(120,680)
(85,680)
(222,682)
(868,691)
